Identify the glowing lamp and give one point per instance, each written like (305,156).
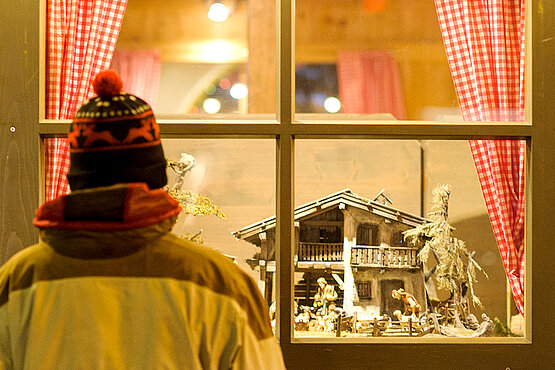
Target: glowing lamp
(218,12)
(238,91)
(332,104)
(211,106)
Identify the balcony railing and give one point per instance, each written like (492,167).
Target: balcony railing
(376,256)
(320,252)
(361,255)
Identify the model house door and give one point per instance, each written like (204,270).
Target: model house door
(388,303)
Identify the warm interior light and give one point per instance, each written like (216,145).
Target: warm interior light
(238,91)
(212,51)
(332,104)
(211,106)
(218,12)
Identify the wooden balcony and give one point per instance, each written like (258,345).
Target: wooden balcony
(377,256)
(320,252)
(361,255)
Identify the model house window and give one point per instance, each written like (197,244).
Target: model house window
(367,235)
(398,240)
(364,290)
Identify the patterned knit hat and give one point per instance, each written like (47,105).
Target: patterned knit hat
(114,138)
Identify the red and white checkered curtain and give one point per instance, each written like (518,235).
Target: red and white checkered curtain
(140,73)
(369,82)
(484,42)
(81,38)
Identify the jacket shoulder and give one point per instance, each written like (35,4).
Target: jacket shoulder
(185,260)
(19,272)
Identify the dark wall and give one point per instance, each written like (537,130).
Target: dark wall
(477,234)
(19,101)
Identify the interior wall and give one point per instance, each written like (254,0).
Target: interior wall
(182,32)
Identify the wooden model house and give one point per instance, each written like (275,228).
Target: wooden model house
(355,243)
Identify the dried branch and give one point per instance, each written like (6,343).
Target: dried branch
(455,264)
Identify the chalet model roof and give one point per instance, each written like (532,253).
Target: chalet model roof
(345,197)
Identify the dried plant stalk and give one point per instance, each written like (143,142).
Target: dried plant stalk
(456,266)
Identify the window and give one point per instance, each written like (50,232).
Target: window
(398,240)
(364,290)
(289,130)
(367,235)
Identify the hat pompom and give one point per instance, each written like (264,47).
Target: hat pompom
(107,83)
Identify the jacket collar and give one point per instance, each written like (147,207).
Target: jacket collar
(116,207)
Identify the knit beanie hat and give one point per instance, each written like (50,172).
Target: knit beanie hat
(114,138)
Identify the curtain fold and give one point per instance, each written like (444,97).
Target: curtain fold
(484,43)
(140,73)
(81,38)
(369,82)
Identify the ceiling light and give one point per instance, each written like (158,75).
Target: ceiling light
(218,12)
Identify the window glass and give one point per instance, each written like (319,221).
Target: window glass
(374,58)
(199,58)
(223,187)
(355,202)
